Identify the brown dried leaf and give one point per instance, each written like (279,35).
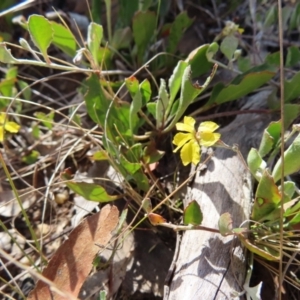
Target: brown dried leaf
(156,219)
(72,262)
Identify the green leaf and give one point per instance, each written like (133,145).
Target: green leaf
(286,14)
(114,119)
(173,111)
(267,197)
(119,118)
(256,164)
(192,214)
(95,34)
(175,81)
(96,101)
(225,224)
(151,107)
(239,87)
(64,39)
(130,167)
(105,58)
(198,60)
(189,92)
(228,46)
(180,24)
(291,112)
(270,138)
(145,89)
(244,64)
(100,155)
(31,158)
(11,73)
(135,152)
(41,34)
(295,18)
(291,160)
(293,56)
(140,96)
(103,294)
(212,49)
(6,56)
(273,59)
(145,4)
(143,28)
(132,85)
(35,131)
(295,220)
(26,90)
(271,16)
(141,180)
(7,87)
(135,106)
(147,205)
(292,88)
(289,189)
(162,103)
(91,191)
(122,38)
(96,7)
(127,10)
(46,119)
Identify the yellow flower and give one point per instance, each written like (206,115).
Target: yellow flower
(6,125)
(231,28)
(191,141)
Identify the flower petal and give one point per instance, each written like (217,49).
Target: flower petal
(190,153)
(187,125)
(11,127)
(208,139)
(1,134)
(208,127)
(181,138)
(2,118)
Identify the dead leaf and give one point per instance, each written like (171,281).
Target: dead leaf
(110,279)
(72,262)
(156,219)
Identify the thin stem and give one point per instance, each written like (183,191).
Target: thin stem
(188,227)
(280,34)
(145,117)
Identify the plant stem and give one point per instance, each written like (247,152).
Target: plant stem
(188,227)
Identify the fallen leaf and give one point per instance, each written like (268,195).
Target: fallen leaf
(156,219)
(72,262)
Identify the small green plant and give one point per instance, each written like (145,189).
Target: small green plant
(132,131)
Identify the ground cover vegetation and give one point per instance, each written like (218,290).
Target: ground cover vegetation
(109,109)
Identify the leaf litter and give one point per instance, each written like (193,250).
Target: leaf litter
(72,262)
